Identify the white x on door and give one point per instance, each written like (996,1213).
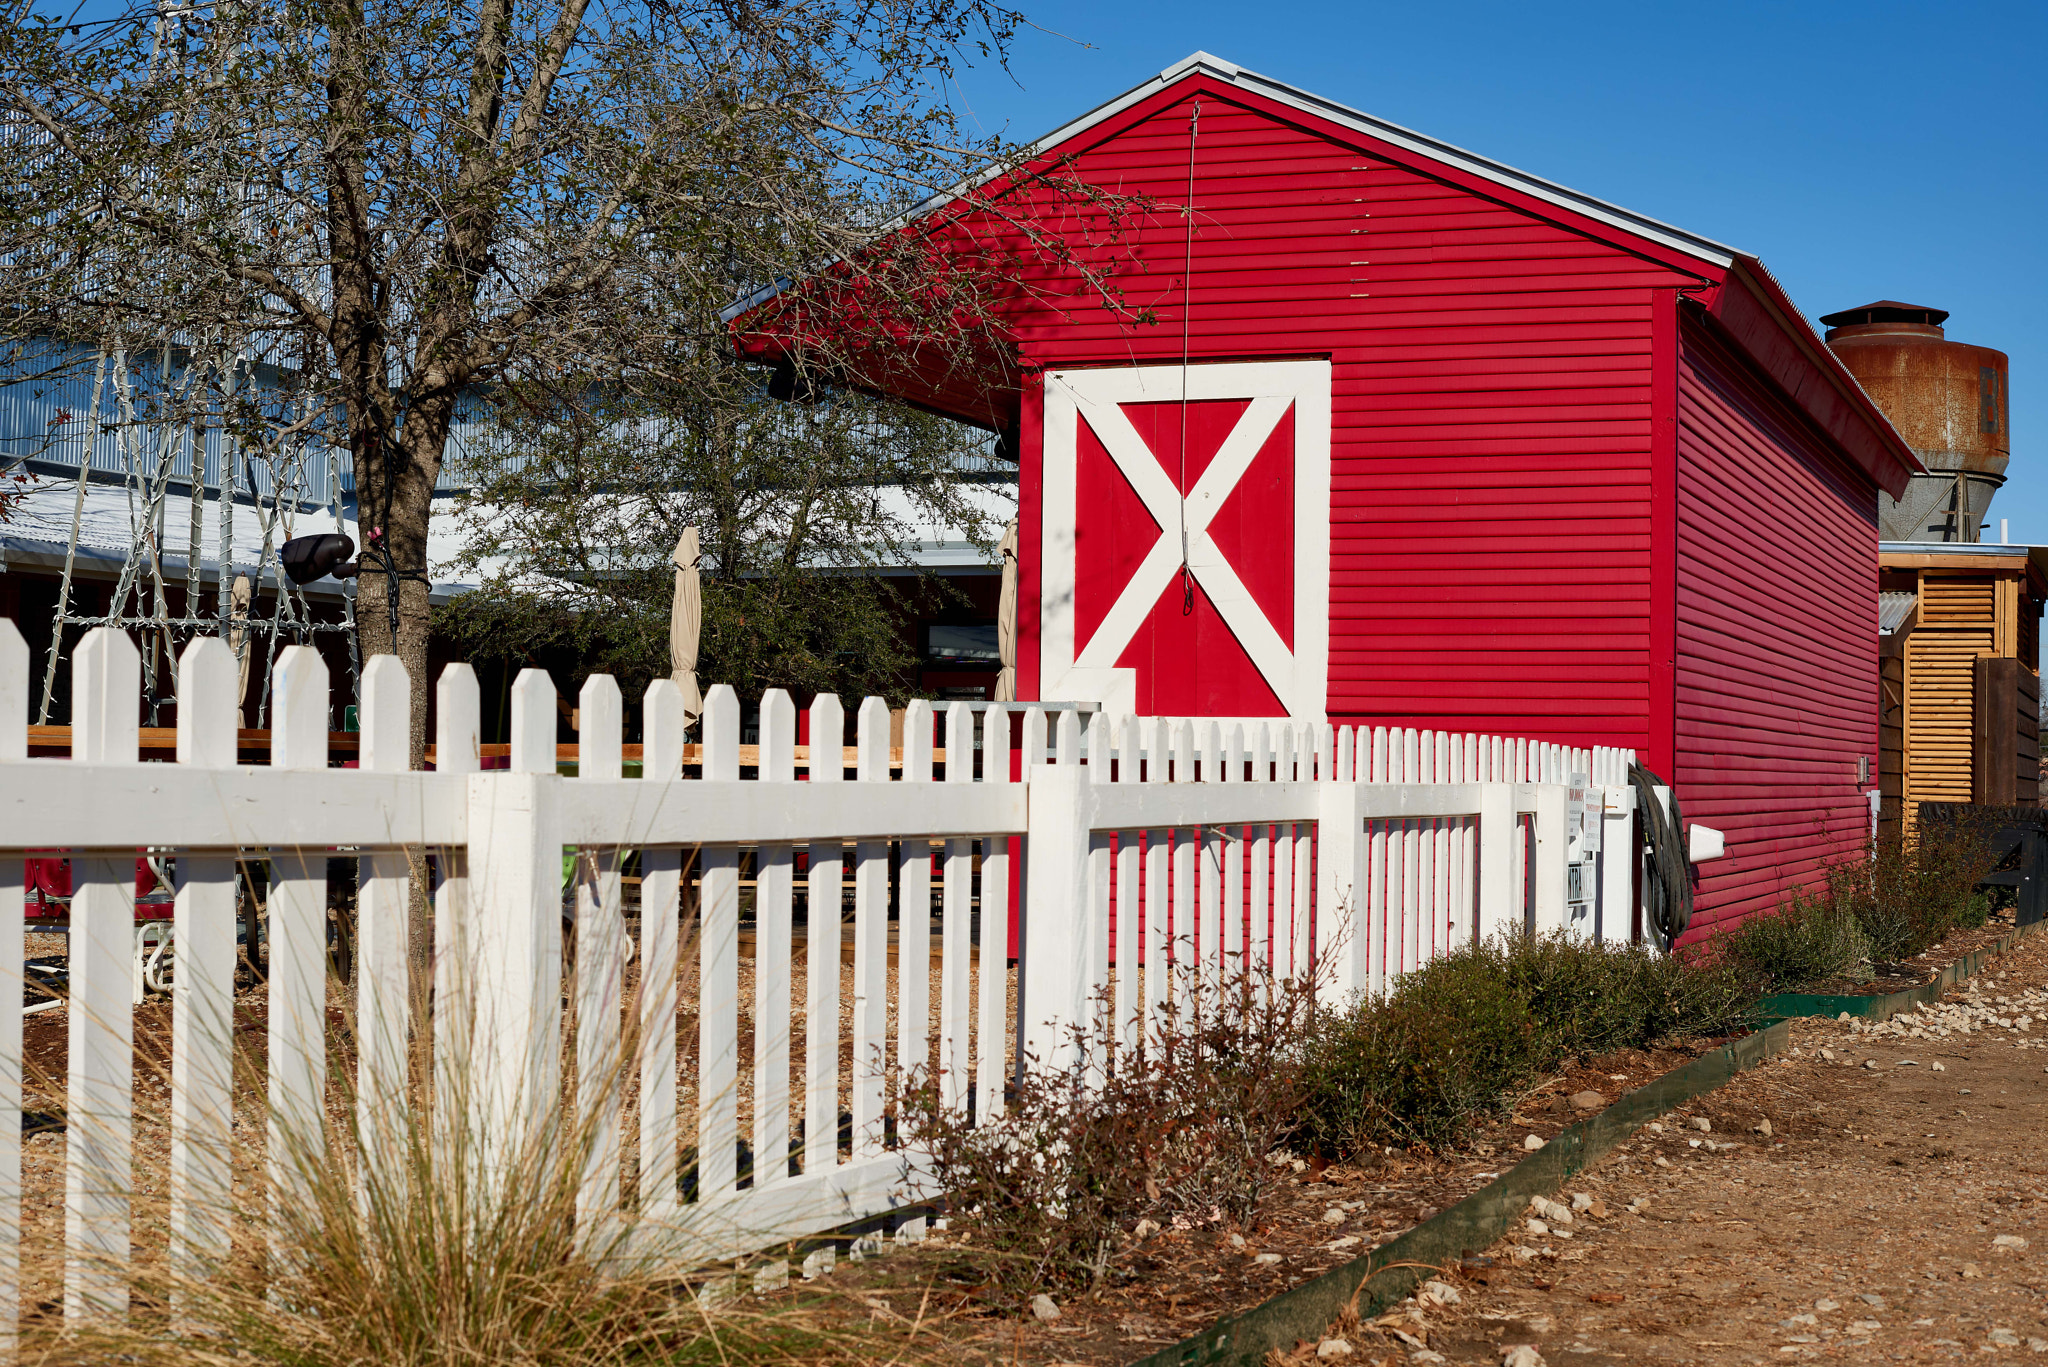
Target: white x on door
(1291,656)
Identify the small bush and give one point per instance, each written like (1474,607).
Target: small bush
(1178,1132)
(1813,937)
(1465,1036)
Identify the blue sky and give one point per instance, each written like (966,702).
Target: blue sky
(1864,151)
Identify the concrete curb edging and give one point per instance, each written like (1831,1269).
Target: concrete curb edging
(1391,1271)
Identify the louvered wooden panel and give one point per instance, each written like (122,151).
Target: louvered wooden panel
(1958,602)
(1939,689)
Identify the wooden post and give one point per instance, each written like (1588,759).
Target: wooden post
(600,975)
(515,848)
(14,663)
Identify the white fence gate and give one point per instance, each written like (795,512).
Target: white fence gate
(1144,843)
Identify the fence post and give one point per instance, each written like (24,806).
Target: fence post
(515,851)
(1548,804)
(1342,915)
(1052,981)
(13,887)
(1499,908)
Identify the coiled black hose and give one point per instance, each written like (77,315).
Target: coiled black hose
(1667,879)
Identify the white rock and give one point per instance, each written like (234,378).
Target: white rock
(1333,1348)
(1521,1355)
(1268,1259)
(1426,1358)
(2037,1345)
(2010,1242)
(1339,1245)
(2004,1338)
(1042,1308)
(1535,1142)
(1536,1227)
(1807,1320)
(1870,1063)
(1582,1200)
(1875,1302)
(1939,1068)
(1824,1305)
(1333,1216)
(1702,1124)
(1763,1127)
(1864,1326)
(1439,1293)
(1657,1127)
(1145,1229)
(1828,1054)
(1908,1063)
(1661,1161)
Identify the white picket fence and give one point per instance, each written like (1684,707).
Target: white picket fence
(1378,849)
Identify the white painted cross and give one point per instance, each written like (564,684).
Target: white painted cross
(1080,671)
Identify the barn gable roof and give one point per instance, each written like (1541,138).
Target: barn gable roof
(1735,290)
(1457,158)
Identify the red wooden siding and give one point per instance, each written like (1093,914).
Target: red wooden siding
(1776,634)
(1491,446)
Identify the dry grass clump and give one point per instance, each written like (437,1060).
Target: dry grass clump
(458,1256)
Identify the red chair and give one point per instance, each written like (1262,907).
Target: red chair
(50,881)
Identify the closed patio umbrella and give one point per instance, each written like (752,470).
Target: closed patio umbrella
(686,624)
(1006,619)
(239,599)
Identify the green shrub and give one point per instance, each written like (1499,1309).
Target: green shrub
(1452,1040)
(1468,1034)
(1814,936)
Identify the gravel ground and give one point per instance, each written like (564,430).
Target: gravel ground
(1893,1213)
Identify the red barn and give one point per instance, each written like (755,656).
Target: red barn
(1416,438)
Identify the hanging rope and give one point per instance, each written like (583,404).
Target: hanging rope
(1187,310)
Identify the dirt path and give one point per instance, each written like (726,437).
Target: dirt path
(1894,1213)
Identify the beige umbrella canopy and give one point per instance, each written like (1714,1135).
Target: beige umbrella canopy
(686,624)
(1006,619)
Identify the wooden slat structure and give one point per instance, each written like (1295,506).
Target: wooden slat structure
(1959,685)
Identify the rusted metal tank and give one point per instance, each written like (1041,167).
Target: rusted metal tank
(1948,400)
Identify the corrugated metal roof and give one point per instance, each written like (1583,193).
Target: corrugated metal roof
(1892,611)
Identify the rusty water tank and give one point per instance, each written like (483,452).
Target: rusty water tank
(1948,400)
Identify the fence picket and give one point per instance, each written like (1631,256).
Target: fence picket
(457,728)
(1129,925)
(914,912)
(297,936)
(956,929)
(718,977)
(870,940)
(382,906)
(990,1053)
(824,937)
(774,927)
(662,722)
(600,972)
(202,993)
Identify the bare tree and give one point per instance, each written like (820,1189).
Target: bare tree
(403,204)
